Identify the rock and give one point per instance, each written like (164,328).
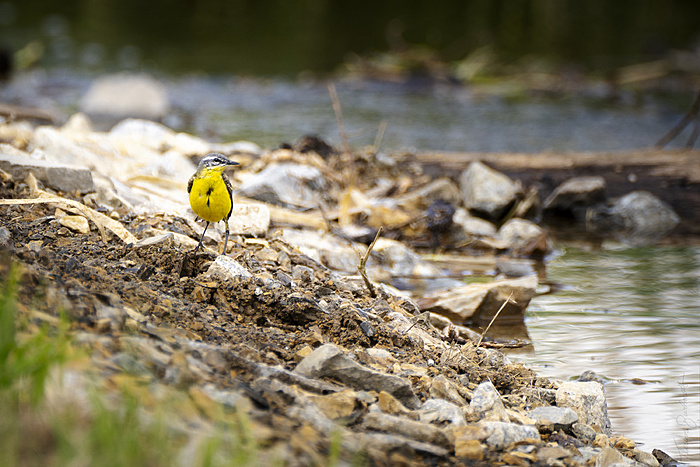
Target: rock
(487,192)
(473,226)
(379,445)
(610,457)
(479,302)
(249,219)
(663,458)
(227,268)
(440,411)
(389,404)
(583,432)
(588,401)
(575,195)
(286,184)
(76,223)
(442,189)
(501,434)
(641,218)
(443,388)
(486,403)
(514,267)
(336,405)
(523,237)
(126,95)
(590,375)
(57,176)
(329,361)
(415,430)
(644,458)
(78,123)
(469,448)
(324,248)
(547,454)
(5,238)
(561,417)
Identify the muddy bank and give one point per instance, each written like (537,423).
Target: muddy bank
(672,175)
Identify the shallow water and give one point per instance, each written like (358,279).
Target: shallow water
(418,116)
(628,313)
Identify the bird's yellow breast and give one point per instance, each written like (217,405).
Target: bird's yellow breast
(210,199)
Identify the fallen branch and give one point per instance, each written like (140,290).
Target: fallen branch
(99,219)
(363,262)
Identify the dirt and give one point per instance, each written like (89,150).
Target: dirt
(82,273)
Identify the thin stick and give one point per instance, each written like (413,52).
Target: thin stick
(380,136)
(363,262)
(494,319)
(676,130)
(339,117)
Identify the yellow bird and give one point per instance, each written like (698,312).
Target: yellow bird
(211,195)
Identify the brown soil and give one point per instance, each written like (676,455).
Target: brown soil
(253,317)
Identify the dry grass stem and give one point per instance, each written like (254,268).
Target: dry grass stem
(363,262)
(494,318)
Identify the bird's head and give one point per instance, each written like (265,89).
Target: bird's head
(215,161)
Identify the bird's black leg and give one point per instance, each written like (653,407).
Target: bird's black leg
(201,239)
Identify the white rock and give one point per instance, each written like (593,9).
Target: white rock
(479,302)
(126,95)
(440,410)
(486,402)
(587,399)
(227,267)
(286,184)
(76,223)
(472,225)
(522,236)
(249,219)
(501,434)
(486,191)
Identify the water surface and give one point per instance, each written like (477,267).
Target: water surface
(629,313)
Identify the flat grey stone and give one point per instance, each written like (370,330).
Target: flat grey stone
(501,434)
(59,177)
(560,416)
(329,361)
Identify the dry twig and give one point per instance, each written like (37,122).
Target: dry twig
(339,117)
(363,262)
(494,319)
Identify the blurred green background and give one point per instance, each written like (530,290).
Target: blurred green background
(285,37)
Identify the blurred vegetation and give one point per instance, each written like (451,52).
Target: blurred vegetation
(281,37)
(46,421)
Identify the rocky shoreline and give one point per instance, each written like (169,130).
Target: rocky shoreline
(283,329)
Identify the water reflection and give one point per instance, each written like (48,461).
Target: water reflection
(632,313)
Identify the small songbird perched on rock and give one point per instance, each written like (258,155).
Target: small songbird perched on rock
(211,195)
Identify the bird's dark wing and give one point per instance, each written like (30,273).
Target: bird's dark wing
(230,193)
(189,184)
